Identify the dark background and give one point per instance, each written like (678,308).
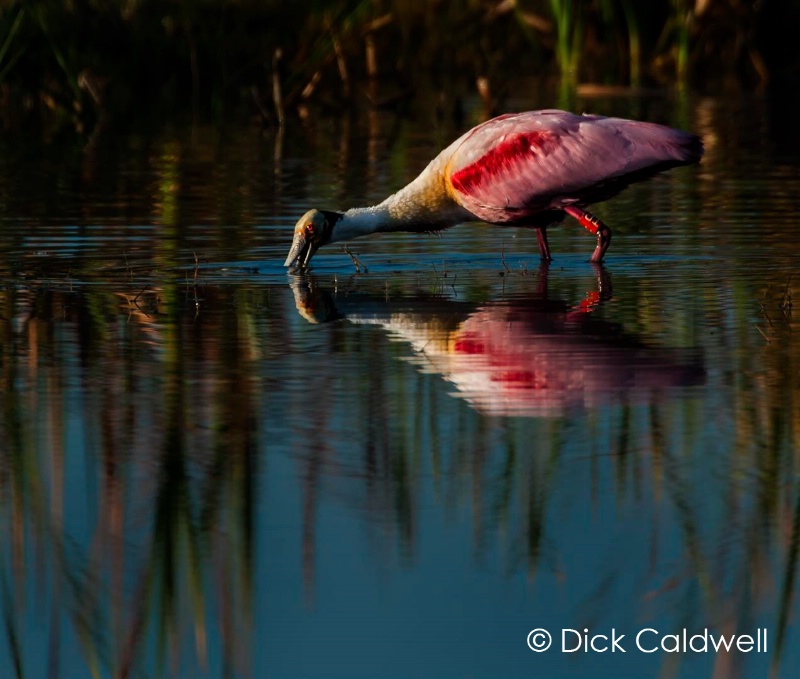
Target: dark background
(70,63)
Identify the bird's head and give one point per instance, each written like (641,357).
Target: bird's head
(312,230)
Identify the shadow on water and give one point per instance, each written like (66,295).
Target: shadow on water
(532,355)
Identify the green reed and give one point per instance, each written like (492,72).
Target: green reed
(634,41)
(231,55)
(568,37)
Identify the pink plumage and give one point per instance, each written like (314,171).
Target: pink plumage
(517,166)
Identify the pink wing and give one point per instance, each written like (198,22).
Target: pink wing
(518,165)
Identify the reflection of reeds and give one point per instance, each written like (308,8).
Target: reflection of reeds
(175,518)
(155,584)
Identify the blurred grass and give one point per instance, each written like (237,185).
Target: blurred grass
(77,61)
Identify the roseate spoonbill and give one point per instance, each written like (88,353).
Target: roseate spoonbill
(519,169)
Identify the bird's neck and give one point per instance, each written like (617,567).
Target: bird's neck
(423,205)
(361,221)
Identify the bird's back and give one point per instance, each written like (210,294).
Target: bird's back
(519,165)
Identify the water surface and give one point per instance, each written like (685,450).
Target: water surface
(211,467)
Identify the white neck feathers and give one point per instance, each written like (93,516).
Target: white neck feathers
(360,221)
(423,205)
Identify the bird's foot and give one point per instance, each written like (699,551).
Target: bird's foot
(603,241)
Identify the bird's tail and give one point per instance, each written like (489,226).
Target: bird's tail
(656,144)
(691,146)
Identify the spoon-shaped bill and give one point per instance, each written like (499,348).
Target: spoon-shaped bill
(301,251)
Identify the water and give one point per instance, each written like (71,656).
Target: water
(210,467)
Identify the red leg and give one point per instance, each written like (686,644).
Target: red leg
(544,247)
(594,226)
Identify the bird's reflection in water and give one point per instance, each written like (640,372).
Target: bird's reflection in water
(530,356)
